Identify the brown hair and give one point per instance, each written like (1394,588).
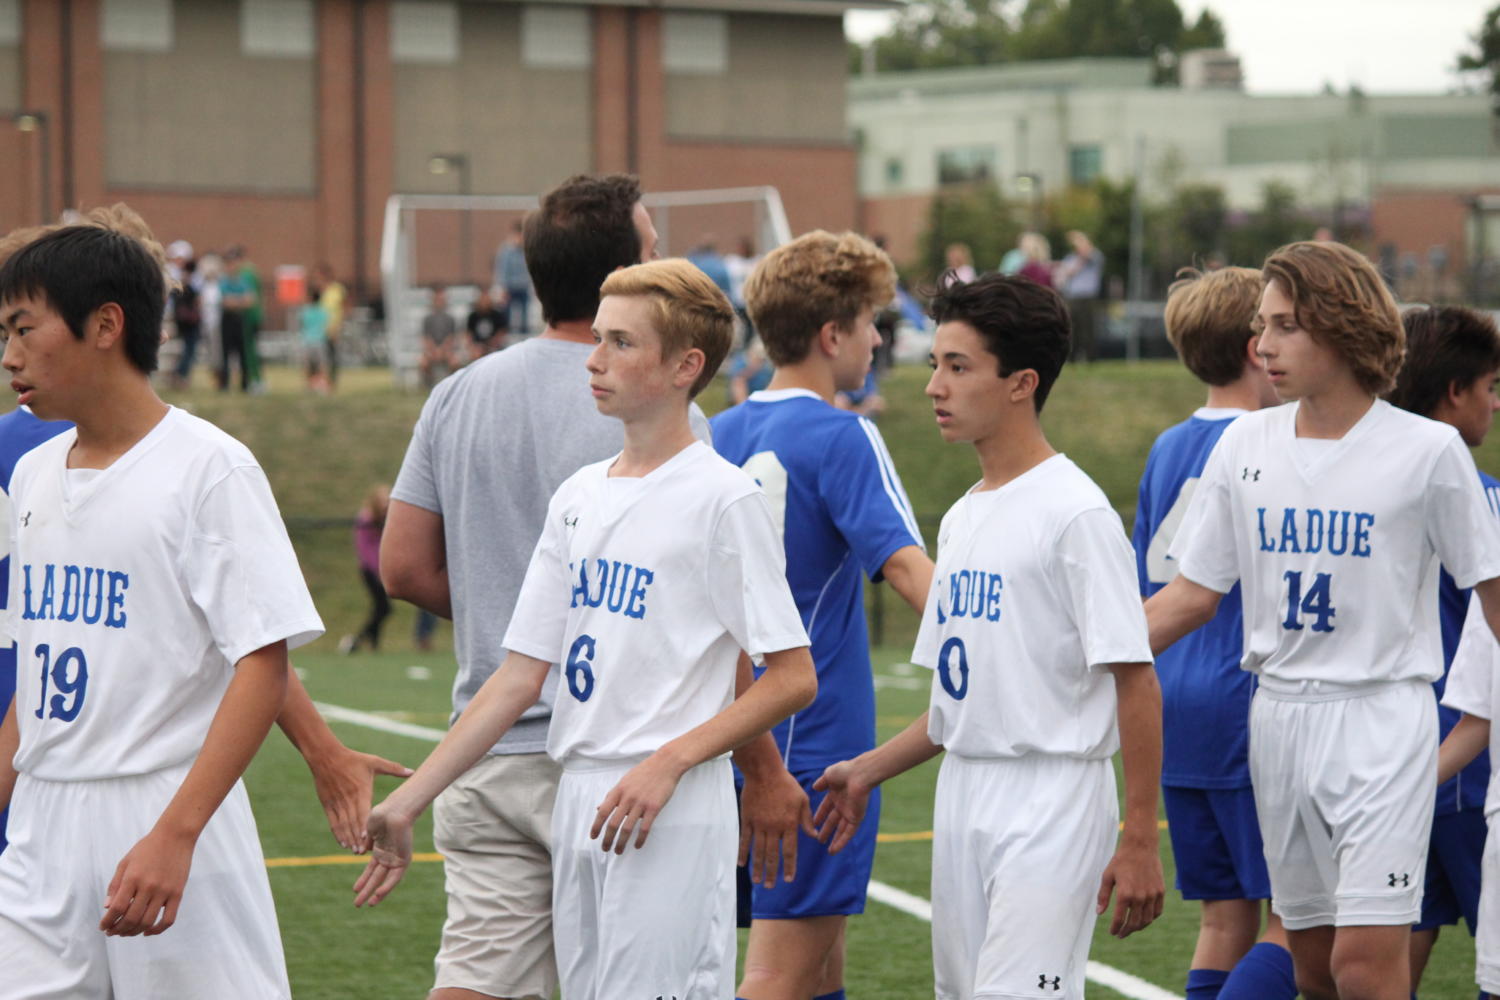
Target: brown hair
(1340,300)
(1210,319)
(691,311)
(817,278)
(1446,346)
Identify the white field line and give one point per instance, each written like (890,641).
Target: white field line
(1121,982)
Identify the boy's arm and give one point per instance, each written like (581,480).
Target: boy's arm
(909,572)
(502,698)
(773,806)
(147,886)
(414,558)
(10,742)
(788,685)
(344,778)
(1462,744)
(1179,608)
(849,783)
(1135,870)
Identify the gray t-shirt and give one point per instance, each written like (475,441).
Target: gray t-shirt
(494,442)
(438,327)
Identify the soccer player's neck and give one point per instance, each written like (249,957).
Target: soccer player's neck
(813,374)
(652,439)
(114,420)
(1014,450)
(577,331)
(1332,410)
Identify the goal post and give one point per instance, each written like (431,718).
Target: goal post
(452,240)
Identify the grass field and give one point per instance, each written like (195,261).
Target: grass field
(322,454)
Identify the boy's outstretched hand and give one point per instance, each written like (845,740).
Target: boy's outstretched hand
(843,806)
(388,838)
(634,803)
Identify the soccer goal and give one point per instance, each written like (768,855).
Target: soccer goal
(452,240)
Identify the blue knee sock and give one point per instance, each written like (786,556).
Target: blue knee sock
(835,995)
(1205,984)
(1265,973)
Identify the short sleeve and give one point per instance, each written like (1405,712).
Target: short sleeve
(1460,526)
(925,650)
(416,483)
(1205,547)
(747,580)
(1471,679)
(539,625)
(1140,535)
(9,616)
(863,495)
(1099,578)
(241,572)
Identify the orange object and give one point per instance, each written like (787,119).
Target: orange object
(291,284)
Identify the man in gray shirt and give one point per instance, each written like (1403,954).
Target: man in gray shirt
(492,445)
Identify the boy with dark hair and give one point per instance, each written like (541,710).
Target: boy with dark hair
(1205,696)
(1037,641)
(842,516)
(1333,514)
(156,643)
(1452,361)
(654,569)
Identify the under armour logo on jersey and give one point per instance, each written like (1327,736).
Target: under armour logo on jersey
(1251,474)
(1404,880)
(572,522)
(1044,983)
(25,521)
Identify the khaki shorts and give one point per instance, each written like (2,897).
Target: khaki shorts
(493,827)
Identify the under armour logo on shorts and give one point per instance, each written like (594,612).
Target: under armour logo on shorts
(1405,880)
(1043,983)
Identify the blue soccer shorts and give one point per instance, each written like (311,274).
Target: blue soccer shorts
(1216,843)
(1454,857)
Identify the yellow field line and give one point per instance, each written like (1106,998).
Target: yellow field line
(359,859)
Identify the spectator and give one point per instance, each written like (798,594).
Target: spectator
(331,296)
(1080,279)
(369,524)
(187,317)
(739,265)
(312,318)
(439,345)
(488,324)
(961,262)
(239,291)
(511,275)
(749,371)
(1037,265)
(707,258)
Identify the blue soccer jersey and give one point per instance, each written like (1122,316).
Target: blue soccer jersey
(842,513)
(20,431)
(1464,790)
(1205,694)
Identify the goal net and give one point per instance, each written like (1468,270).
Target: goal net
(452,240)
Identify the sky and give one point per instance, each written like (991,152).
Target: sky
(1295,46)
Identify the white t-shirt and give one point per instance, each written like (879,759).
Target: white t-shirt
(645,591)
(1034,594)
(1474,686)
(135,591)
(1338,549)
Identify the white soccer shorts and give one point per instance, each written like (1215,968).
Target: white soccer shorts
(67,837)
(1487,939)
(1019,846)
(654,921)
(1345,783)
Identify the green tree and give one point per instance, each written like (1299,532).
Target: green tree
(973,214)
(948,33)
(1484,58)
(1276,223)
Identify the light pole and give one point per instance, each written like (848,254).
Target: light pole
(443,163)
(36,121)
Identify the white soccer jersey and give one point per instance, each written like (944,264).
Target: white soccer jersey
(1034,594)
(644,591)
(1338,557)
(1474,686)
(134,591)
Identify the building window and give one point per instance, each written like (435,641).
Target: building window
(424,33)
(967,165)
(277,28)
(10,22)
(556,37)
(136,26)
(895,172)
(694,42)
(1085,164)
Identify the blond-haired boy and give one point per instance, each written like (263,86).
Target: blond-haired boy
(654,570)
